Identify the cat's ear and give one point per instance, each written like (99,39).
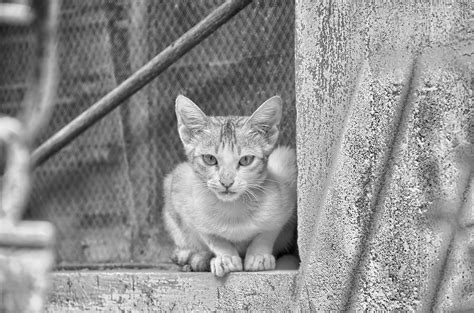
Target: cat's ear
(266,119)
(191,120)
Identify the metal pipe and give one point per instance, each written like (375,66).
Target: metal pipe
(138,80)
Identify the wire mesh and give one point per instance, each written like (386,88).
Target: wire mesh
(103,191)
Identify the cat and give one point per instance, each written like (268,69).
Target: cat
(232,205)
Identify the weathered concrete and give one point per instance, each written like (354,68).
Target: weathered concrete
(151,291)
(384,154)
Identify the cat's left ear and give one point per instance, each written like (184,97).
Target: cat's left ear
(266,119)
(191,120)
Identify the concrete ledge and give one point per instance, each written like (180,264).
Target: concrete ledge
(152,290)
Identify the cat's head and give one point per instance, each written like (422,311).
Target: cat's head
(229,153)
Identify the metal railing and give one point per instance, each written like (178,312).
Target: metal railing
(138,80)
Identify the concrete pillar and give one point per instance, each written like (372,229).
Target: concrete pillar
(384,142)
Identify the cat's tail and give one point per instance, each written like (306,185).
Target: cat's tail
(282,165)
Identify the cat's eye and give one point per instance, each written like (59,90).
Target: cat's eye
(209,159)
(246,160)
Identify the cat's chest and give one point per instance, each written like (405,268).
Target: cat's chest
(232,223)
(237,231)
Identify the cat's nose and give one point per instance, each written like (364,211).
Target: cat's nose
(226,177)
(226,183)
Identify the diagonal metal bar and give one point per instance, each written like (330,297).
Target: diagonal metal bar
(138,80)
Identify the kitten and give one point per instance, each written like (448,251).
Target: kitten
(235,197)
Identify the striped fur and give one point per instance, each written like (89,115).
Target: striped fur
(218,206)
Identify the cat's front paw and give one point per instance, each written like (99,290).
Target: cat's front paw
(223,264)
(191,261)
(259,262)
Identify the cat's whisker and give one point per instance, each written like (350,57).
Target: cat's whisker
(256,185)
(262,180)
(256,190)
(259,188)
(251,194)
(245,194)
(248,199)
(248,196)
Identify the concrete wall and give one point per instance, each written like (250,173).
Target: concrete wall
(384,139)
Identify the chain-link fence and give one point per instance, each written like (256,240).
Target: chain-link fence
(103,191)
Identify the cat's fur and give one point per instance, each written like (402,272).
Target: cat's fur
(219,213)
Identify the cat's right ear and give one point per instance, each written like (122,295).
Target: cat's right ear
(191,120)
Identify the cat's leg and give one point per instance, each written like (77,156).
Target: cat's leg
(191,254)
(285,249)
(192,260)
(285,242)
(259,255)
(265,247)
(226,258)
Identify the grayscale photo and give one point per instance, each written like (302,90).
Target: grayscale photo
(236,155)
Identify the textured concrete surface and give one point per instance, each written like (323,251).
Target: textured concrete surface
(153,291)
(384,139)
